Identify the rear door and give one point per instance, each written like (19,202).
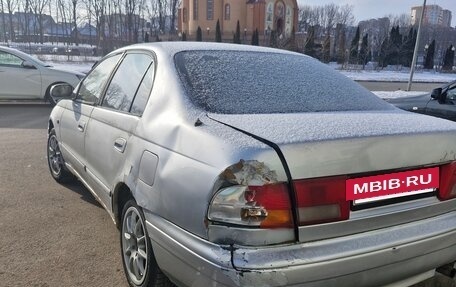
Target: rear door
(17,82)
(112,124)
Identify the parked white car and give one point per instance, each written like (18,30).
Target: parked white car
(23,77)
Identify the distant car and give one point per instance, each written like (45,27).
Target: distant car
(59,50)
(23,77)
(74,52)
(236,165)
(441,102)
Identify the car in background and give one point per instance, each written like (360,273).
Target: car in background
(59,50)
(441,102)
(73,51)
(236,165)
(23,77)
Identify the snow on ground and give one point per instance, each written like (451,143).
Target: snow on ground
(398,76)
(72,66)
(397,94)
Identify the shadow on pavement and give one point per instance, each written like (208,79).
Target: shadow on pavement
(85,194)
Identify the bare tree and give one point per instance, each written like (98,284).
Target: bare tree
(3,20)
(38,8)
(11,5)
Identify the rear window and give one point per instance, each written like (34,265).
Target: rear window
(242,82)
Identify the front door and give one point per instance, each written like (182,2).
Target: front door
(16,81)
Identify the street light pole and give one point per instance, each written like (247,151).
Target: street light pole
(415,52)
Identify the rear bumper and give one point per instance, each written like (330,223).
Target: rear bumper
(372,258)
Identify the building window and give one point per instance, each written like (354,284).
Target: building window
(195,9)
(210,9)
(227,12)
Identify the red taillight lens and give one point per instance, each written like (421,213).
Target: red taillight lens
(321,200)
(447,189)
(275,200)
(265,206)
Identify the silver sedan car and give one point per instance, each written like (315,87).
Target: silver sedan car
(23,77)
(230,165)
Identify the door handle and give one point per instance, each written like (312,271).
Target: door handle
(120,144)
(81,126)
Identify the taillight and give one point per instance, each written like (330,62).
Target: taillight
(321,200)
(265,206)
(447,189)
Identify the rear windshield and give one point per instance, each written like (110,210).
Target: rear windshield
(241,82)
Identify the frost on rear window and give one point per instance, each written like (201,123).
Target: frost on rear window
(245,82)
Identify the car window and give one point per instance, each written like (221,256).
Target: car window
(7,59)
(140,101)
(122,89)
(91,88)
(451,93)
(244,82)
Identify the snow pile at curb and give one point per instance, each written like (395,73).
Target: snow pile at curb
(397,94)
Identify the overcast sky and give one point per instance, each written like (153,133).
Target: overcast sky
(367,9)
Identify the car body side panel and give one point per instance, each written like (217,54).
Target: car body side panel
(20,83)
(107,145)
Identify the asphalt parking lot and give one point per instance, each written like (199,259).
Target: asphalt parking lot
(54,235)
(51,235)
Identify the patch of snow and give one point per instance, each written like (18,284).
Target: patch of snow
(398,94)
(397,76)
(323,126)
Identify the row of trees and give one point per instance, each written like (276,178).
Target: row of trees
(329,36)
(112,19)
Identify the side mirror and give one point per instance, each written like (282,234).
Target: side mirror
(437,94)
(28,65)
(61,91)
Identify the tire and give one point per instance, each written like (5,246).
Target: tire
(140,266)
(56,162)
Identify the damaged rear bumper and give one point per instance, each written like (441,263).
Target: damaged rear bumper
(372,258)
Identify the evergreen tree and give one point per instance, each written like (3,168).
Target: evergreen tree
(310,46)
(408,47)
(354,47)
(382,57)
(326,51)
(255,38)
(341,47)
(394,47)
(237,36)
(429,60)
(292,45)
(199,34)
(218,33)
(364,50)
(273,39)
(184,36)
(448,60)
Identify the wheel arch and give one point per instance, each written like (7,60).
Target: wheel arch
(50,126)
(121,195)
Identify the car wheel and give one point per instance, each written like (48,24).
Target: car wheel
(138,259)
(55,160)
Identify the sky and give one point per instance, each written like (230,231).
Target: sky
(367,9)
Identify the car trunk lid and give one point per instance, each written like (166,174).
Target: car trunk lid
(350,145)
